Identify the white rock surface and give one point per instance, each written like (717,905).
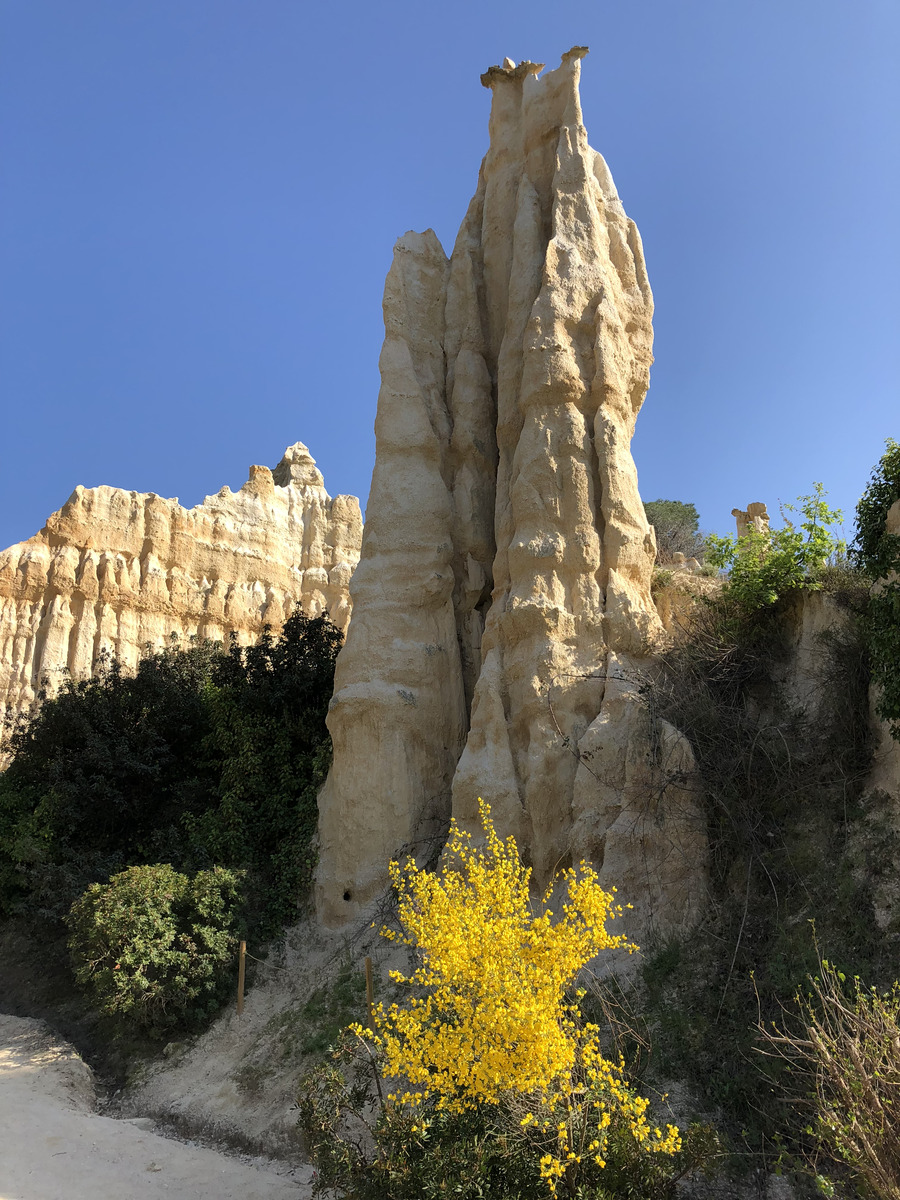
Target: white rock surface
(118,570)
(502,603)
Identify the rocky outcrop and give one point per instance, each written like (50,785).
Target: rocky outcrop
(677,596)
(502,606)
(121,570)
(754,520)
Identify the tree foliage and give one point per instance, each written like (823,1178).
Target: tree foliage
(877,552)
(152,945)
(203,757)
(765,565)
(677,526)
(272,751)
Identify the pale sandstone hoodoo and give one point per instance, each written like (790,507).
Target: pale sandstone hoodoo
(120,570)
(754,520)
(502,604)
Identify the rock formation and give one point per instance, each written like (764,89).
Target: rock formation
(121,570)
(502,603)
(680,564)
(754,520)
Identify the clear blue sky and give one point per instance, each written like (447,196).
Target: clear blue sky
(199,200)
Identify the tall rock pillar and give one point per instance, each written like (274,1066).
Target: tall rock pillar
(502,601)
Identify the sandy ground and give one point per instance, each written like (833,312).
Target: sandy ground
(54,1145)
(238,1082)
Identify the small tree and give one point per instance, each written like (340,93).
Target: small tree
(764,565)
(677,528)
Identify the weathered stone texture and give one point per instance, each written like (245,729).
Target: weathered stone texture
(120,570)
(754,520)
(502,603)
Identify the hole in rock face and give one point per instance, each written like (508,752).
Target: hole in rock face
(346,895)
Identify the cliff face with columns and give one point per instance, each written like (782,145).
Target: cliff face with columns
(119,570)
(502,605)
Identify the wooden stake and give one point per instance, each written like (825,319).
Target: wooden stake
(370,993)
(242,963)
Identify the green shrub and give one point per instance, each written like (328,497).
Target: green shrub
(874,548)
(764,565)
(152,947)
(365,1149)
(272,751)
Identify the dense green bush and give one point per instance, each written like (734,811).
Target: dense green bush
(203,757)
(877,552)
(271,752)
(101,776)
(764,565)
(153,946)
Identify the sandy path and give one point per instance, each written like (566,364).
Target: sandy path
(55,1146)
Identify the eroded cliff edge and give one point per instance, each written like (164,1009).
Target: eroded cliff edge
(502,608)
(121,570)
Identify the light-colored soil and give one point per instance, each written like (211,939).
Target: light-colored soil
(239,1081)
(55,1145)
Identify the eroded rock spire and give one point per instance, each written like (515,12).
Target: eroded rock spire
(502,599)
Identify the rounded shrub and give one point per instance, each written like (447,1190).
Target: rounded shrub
(152,947)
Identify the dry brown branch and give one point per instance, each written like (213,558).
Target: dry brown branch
(844,1039)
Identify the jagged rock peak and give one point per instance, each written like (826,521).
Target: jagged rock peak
(297,466)
(119,570)
(502,601)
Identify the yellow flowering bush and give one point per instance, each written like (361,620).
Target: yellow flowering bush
(489,1023)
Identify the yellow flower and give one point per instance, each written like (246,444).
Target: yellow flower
(490,1017)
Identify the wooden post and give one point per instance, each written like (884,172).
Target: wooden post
(242,963)
(370,993)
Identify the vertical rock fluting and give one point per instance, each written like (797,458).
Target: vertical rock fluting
(502,602)
(119,570)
